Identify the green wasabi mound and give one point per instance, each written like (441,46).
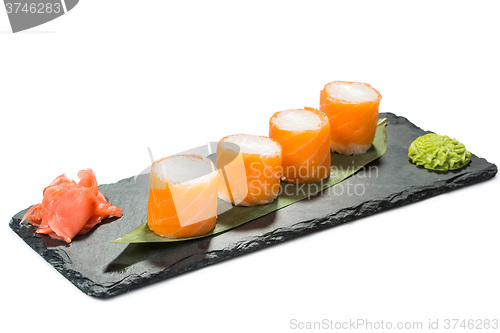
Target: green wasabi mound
(438,152)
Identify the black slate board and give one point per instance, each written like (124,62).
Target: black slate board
(103,269)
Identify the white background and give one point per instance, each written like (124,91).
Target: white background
(97,86)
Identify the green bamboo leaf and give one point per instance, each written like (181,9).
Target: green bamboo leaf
(342,167)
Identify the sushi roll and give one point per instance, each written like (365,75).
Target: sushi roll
(352,108)
(182,196)
(304,135)
(251,167)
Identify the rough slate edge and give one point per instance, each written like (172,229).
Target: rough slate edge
(276,236)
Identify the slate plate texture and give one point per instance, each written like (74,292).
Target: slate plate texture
(103,269)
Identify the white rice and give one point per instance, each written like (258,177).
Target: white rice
(182,168)
(350,149)
(351,92)
(297,120)
(251,144)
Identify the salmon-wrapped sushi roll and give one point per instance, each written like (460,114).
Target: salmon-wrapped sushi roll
(304,135)
(182,196)
(352,108)
(251,167)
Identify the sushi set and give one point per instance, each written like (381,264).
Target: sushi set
(317,169)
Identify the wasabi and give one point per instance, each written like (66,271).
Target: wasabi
(438,152)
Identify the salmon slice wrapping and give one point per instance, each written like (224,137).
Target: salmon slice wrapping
(352,108)
(304,135)
(182,196)
(251,166)
(69,208)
